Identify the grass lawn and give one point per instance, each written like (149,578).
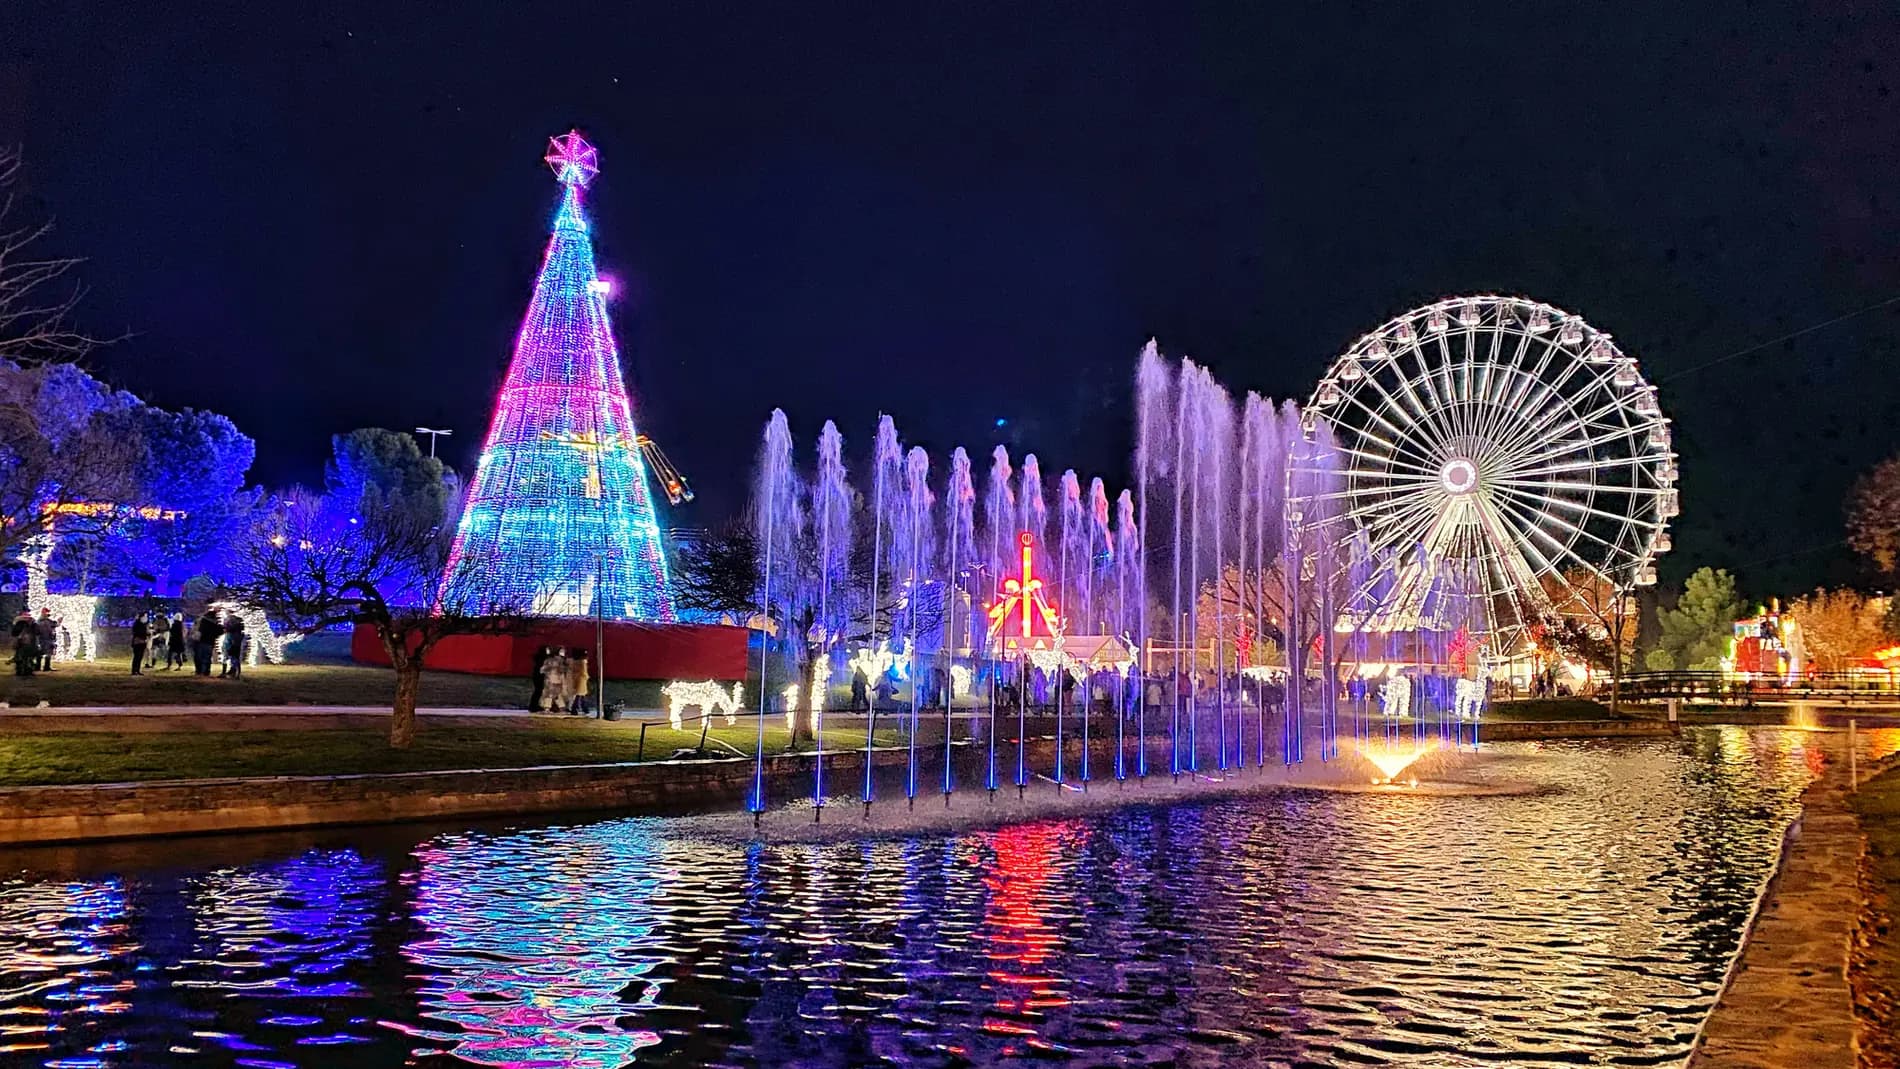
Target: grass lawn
(91,757)
(1877,978)
(321,674)
(1533,710)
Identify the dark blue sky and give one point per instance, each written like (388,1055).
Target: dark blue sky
(323,216)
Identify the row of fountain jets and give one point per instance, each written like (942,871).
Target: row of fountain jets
(1234,514)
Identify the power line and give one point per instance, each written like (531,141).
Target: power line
(1895,299)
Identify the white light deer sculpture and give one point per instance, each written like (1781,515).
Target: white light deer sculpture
(75,638)
(709,697)
(257,629)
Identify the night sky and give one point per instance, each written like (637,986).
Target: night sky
(322,216)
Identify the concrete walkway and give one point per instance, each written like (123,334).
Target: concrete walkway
(1788,1002)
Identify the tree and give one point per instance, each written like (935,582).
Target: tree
(68,446)
(390,463)
(1236,601)
(1873,516)
(719,574)
(193,467)
(35,315)
(1597,625)
(379,561)
(1696,633)
(1838,628)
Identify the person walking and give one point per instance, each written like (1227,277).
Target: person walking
(141,640)
(554,682)
(577,681)
(175,642)
(860,690)
(204,640)
(538,681)
(233,646)
(26,644)
(48,637)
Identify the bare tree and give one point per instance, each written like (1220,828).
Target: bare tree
(317,563)
(1596,622)
(35,303)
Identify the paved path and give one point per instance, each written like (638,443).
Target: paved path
(1788,1003)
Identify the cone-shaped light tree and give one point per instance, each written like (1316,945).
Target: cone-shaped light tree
(559,517)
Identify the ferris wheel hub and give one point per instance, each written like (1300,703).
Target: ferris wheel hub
(1458,476)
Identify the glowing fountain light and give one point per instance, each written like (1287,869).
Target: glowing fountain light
(709,697)
(1391,762)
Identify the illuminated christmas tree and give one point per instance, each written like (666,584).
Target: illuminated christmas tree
(559,519)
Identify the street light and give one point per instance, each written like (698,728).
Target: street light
(433,434)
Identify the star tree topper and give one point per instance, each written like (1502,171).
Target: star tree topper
(573,159)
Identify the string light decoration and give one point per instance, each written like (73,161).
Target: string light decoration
(1395,698)
(708,697)
(1468,699)
(263,642)
(75,638)
(559,517)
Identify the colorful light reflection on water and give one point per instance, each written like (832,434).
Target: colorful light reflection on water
(1586,925)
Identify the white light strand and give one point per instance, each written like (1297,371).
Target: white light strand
(708,696)
(1395,698)
(269,643)
(73,639)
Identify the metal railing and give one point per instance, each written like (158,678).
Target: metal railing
(1721,688)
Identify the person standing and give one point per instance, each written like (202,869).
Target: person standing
(48,638)
(577,681)
(554,682)
(536,679)
(26,644)
(860,691)
(233,646)
(175,642)
(141,640)
(203,639)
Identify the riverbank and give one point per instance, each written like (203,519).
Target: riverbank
(1787,1000)
(1876,966)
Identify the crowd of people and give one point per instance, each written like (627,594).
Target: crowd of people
(159,641)
(560,679)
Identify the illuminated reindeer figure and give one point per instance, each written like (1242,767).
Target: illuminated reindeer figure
(257,628)
(709,697)
(75,639)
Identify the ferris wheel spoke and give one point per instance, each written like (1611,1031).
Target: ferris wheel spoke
(1524,462)
(1377,416)
(1567,548)
(1578,508)
(1433,413)
(1502,376)
(1617,402)
(1553,485)
(1389,459)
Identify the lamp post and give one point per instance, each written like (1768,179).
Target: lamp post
(433,434)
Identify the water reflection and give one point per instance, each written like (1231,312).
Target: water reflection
(1587,925)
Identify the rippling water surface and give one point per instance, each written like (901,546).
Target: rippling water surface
(1590,925)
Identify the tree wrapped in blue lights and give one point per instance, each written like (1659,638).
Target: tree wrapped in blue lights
(559,516)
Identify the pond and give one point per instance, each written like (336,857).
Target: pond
(1590,923)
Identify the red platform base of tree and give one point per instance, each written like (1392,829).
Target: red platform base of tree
(633,651)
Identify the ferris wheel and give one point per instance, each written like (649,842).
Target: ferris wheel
(1501,447)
